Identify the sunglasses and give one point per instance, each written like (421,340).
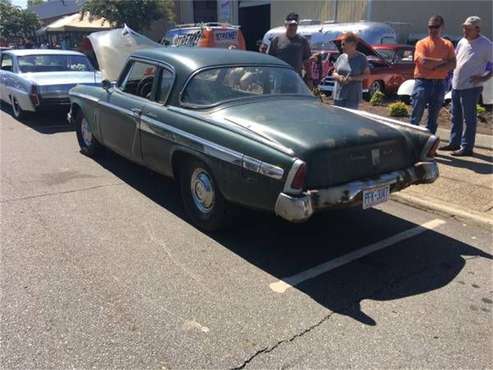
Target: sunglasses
(434,27)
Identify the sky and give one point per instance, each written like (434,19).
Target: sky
(21,3)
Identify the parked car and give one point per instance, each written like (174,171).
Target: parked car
(207,35)
(238,127)
(406,89)
(387,72)
(36,79)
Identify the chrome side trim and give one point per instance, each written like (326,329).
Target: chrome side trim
(289,179)
(429,143)
(84,96)
(270,170)
(384,120)
(116,107)
(215,150)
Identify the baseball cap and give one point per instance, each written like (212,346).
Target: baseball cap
(292,18)
(472,21)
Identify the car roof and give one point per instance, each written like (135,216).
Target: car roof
(187,60)
(25,52)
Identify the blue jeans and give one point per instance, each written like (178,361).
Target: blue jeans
(427,93)
(464,109)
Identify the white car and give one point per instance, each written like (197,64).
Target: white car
(406,89)
(36,79)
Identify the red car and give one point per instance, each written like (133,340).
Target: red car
(390,65)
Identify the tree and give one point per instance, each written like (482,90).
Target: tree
(138,15)
(16,22)
(30,3)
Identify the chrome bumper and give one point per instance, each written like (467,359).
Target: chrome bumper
(299,208)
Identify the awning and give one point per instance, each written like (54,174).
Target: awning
(75,23)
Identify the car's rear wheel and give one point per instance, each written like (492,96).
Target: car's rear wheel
(87,142)
(202,199)
(17,111)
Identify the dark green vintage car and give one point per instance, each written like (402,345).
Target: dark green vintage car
(237,127)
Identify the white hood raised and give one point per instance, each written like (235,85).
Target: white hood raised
(112,49)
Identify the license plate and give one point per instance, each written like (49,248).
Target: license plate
(372,197)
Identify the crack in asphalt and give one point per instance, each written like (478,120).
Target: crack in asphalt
(272,348)
(392,284)
(60,192)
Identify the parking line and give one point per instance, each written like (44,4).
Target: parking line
(284,284)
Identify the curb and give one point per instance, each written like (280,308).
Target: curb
(443,209)
(482,141)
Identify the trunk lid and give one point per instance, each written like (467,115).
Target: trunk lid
(338,145)
(63,78)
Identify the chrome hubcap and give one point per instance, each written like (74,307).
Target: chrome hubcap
(86,132)
(202,188)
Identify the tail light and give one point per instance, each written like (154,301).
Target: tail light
(34,96)
(298,182)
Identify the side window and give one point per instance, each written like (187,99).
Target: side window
(140,79)
(6,62)
(165,85)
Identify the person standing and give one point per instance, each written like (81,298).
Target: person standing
(293,48)
(434,57)
(350,69)
(474,52)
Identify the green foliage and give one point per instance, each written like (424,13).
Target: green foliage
(30,3)
(16,22)
(377,98)
(138,15)
(398,109)
(480,109)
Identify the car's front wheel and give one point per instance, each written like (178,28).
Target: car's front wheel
(87,142)
(202,200)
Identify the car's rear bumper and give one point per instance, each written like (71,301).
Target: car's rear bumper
(299,208)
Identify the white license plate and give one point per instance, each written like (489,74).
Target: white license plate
(372,197)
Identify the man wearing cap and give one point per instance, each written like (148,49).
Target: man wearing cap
(292,48)
(434,57)
(474,52)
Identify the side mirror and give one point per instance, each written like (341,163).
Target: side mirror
(107,85)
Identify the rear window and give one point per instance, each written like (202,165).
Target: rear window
(213,86)
(54,63)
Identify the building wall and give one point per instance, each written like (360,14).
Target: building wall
(408,16)
(308,9)
(417,12)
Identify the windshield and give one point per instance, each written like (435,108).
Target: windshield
(213,86)
(54,63)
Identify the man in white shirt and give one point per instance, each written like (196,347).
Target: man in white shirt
(473,53)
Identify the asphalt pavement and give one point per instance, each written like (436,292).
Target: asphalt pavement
(99,269)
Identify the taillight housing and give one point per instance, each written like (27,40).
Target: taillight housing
(34,96)
(298,182)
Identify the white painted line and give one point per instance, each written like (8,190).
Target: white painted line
(282,285)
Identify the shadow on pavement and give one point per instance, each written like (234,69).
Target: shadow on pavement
(484,166)
(419,265)
(45,122)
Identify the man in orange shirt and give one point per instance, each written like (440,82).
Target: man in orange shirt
(434,58)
